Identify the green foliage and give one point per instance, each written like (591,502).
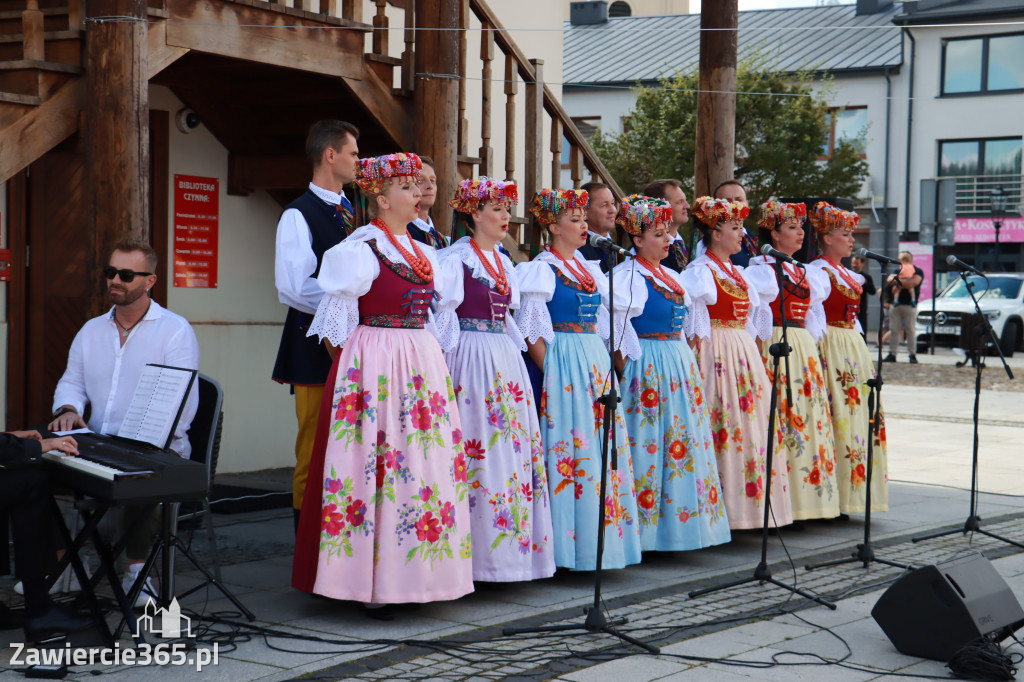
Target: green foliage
(778,138)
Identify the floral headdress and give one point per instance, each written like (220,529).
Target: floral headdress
(377,171)
(638,212)
(470,194)
(774,213)
(548,204)
(825,217)
(712,211)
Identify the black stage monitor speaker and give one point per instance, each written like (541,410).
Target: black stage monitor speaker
(934,611)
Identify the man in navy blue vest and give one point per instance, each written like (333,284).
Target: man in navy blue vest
(422,228)
(600,221)
(679,252)
(732,190)
(313,223)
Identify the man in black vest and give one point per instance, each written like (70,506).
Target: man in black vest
(671,190)
(422,228)
(601,221)
(313,223)
(732,190)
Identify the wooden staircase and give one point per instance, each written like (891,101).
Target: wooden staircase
(258,73)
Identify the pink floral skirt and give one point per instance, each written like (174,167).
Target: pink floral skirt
(737,392)
(392,505)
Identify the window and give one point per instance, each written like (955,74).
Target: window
(587,125)
(619,9)
(980,167)
(980,157)
(989,64)
(848,123)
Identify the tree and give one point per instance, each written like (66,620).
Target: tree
(781,125)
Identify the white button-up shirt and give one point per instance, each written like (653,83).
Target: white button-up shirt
(103,373)
(294,260)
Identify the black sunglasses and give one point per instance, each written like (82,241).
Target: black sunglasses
(126,275)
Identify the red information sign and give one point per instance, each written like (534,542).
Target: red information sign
(196,211)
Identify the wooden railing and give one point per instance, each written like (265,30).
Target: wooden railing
(542,110)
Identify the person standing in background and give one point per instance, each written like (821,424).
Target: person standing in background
(679,252)
(857,265)
(309,226)
(906,290)
(600,221)
(422,228)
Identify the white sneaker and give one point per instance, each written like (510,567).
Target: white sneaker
(68,581)
(148,590)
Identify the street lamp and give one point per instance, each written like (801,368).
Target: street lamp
(998,210)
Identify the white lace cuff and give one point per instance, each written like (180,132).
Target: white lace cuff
(336,318)
(698,322)
(626,339)
(445,328)
(534,320)
(760,323)
(816,323)
(513,332)
(601,326)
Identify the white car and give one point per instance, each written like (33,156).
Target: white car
(1001,300)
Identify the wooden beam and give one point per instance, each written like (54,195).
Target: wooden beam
(41,129)
(162,55)
(249,173)
(251,34)
(715,151)
(17,298)
(436,98)
(117,117)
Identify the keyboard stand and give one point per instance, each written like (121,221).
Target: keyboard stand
(166,545)
(92,512)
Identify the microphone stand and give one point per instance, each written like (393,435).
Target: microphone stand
(762,573)
(596,619)
(865,553)
(973,522)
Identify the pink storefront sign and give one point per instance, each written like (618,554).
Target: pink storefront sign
(974,230)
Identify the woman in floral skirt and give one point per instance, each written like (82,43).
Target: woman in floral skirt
(386,514)
(565,321)
(679,502)
(848,366)
(726,320)
(803,430)
(508,498)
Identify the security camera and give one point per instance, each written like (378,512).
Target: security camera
(186,120)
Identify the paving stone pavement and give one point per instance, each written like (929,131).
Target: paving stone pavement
(752,627)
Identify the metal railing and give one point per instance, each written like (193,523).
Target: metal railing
(974,193)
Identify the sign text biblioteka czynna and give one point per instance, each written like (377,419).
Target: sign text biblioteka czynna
(196,215)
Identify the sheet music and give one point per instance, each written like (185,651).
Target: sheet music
(156,405)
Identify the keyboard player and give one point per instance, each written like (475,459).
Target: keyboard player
(104,364)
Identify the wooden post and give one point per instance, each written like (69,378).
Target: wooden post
(575,166)
(714,158)
(556,153)
(436,99)
(380,29)
(117,121)
(409,55)
(32,38)
(533,133)
(511,87)
(486,56)
(463,134)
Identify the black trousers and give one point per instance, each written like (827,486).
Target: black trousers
(25,498)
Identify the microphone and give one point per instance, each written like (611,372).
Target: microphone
(955,262)
(599,242)
(767,250)
(864,253)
